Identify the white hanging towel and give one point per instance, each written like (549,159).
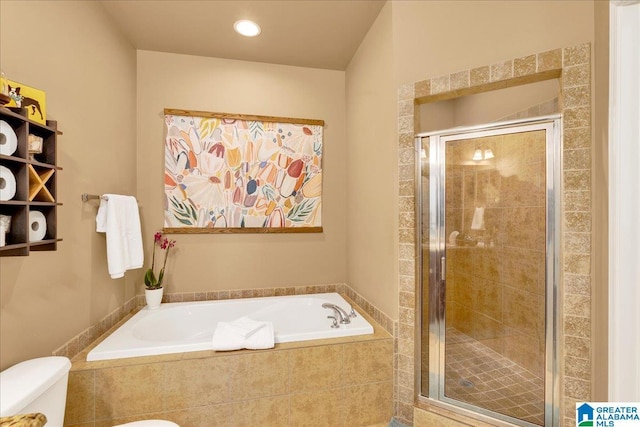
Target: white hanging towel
(118,217)
(477,223)
(243,333)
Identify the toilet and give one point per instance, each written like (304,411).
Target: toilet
(40,385)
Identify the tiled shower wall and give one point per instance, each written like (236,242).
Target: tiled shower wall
(496,288)
(572,65)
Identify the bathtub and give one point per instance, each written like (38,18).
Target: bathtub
(188,326)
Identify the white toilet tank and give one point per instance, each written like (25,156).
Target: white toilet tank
(37,385)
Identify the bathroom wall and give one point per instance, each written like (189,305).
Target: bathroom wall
(205,262)
(431,39)
(71,51)
(371,219)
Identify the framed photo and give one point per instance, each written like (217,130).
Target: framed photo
(234,173)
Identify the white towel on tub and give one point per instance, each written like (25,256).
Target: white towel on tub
(243,333)
(119,218)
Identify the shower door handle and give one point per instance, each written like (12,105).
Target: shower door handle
(443,265)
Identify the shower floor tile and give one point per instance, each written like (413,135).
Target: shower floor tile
(476,374)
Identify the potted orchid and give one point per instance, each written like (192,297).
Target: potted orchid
(153,284)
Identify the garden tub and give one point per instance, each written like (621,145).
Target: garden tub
(189,326)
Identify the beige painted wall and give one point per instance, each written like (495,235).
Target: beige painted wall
(419,40)
(372,215)
(432,38)
(239,261)
(72,52)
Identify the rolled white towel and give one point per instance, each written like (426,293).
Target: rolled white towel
(262,338)
(243,333)
(245,327)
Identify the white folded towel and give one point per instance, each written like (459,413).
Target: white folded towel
(477,223)
(118,217)
(243,333)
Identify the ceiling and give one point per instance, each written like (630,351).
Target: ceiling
(306,33)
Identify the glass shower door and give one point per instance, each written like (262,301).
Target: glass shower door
(491,258)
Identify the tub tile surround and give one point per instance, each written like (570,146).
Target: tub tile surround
(339,381)
(89,335)
(572,65)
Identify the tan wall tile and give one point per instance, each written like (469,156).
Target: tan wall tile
(406,173)
(577,117)
(577,284)
(578,221)
(577,326)
(577,200)
(577,179)
(316,368)
(501,71)
(479,76)
(429,419)
(210,416)
(407,156)
(578,243)
(273,411)
(577,96)
(197,382)
(440,84)
(129,390)
(524,66)
(407,267)
(406,188)
(405,124)
(368,404)
(80,397)
(405,347)
(577,388)
(526,351)
(577,305)
(406,140)
(523,311)
(368,362)
(318,408)
(407,299)
(577,138)
(405,108)
(406,315)
(577,159)
(249,379)
(406,92)
(422,88)
(577,75)
(576,55)
(459,80)
(550,60)
(577,263)
(577,347)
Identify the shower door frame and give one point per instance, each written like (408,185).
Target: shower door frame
(552,124)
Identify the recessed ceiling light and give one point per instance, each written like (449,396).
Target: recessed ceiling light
(246,28)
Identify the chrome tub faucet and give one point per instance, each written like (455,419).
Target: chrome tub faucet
(339,313)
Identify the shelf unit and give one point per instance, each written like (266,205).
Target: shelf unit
(35,184)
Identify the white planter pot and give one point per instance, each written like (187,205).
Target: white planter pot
(153,297)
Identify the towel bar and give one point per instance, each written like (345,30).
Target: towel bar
(86,197)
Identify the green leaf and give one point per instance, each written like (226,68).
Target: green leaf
(300,212)
(150,279)
(256,129)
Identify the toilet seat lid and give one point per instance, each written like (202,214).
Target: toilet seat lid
(149,423)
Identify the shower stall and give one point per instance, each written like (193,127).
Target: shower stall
(488,222)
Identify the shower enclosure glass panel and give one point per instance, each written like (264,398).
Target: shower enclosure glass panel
(489,258)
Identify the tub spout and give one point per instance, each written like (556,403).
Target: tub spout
(339,312)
